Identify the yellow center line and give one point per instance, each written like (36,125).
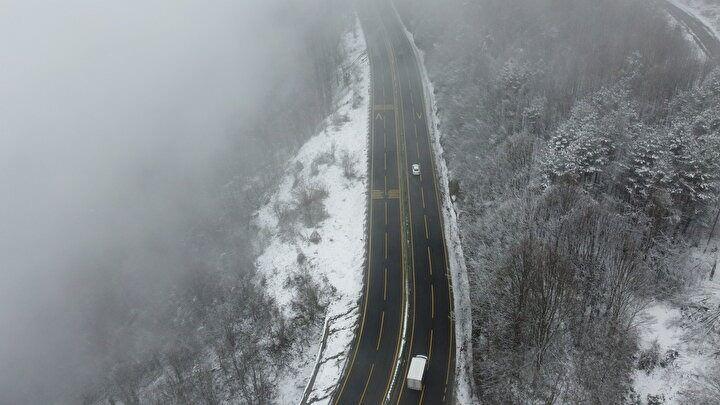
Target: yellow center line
(431,345)
(385,286)
(385,184)
(432,301)
(362,397)
(385,160)
(422,395)
(382,323)
(429,260)
(427,235)
(422,194)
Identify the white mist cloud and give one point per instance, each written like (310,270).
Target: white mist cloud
(113,115)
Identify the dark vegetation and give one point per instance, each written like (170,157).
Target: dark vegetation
(583,139)
(207,331)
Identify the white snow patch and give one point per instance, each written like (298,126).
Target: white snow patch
(460,283)
(338,255)
(660,321)
(681,327)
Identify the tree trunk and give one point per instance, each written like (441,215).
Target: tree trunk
(712,231)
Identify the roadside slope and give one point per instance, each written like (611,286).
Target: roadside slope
(314,229)
(690,14)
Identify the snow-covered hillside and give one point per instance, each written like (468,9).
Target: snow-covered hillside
(315,224)
(680,343)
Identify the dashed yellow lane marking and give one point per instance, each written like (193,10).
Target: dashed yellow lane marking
(386,213)
(382,323)
(386,245)
(432,301)
(362,397)
(427,234)
(431,345)
(385,285)
(429,260)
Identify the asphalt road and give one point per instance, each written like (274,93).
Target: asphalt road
(399,137)
(702,35)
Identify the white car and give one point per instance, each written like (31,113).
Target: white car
(416,169)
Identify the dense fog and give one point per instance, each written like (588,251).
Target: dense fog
(138,139)
(115,118)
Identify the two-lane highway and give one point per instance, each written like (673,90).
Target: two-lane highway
(399,137)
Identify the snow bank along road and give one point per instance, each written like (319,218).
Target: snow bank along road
(703,35)
(406,247)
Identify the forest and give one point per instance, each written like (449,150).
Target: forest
(583,140)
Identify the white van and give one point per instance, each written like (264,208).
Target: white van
(416,372)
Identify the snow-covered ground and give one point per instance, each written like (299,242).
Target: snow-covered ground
(686,343)
(332,250)
(707,11)
(460,283)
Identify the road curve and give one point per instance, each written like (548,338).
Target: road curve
(701,33)
(404,212)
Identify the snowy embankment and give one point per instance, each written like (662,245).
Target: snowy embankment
(707,11)
(328,242)
(460,282)
(679,355)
